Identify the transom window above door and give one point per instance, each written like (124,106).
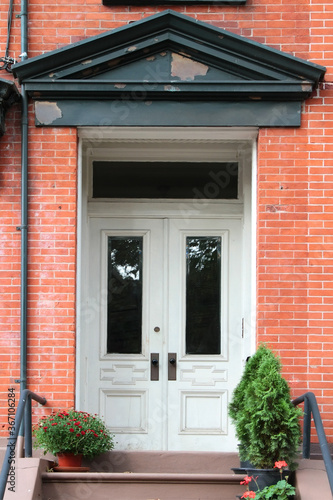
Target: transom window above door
(165,180)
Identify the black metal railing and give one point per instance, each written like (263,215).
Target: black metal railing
(311,408)
(23,410)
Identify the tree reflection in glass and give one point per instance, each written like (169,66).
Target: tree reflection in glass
(203,295)
(124,325)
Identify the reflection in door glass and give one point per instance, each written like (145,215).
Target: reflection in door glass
(203,295)
(124,324)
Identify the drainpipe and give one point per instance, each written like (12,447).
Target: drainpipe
(24,220)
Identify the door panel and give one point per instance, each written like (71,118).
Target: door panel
(165,385)
(206,376)
(119,385)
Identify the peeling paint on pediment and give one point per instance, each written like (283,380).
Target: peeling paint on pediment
(47,112)
(187,69)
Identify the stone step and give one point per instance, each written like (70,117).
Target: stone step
(187,462)
(311,481)
(139,486)
(133,475)
(142,475)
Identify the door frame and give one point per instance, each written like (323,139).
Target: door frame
(155,143)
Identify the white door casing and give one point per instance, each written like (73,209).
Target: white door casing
(190,412)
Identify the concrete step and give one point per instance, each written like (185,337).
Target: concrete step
(139,486)
(186,462)
(139,475)
(149,475)
(311,481)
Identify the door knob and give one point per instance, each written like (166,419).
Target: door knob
(154,362)
(172,361)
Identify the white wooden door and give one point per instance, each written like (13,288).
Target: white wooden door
(166,384)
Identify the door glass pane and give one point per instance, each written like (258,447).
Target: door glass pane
(203,295)
(124,327)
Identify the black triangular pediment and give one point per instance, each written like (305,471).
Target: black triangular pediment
(169,66)
(169,56)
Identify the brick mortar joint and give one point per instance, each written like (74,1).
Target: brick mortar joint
(326,85)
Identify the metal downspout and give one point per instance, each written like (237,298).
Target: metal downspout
(24,217)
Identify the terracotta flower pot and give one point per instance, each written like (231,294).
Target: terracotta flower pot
(69,460)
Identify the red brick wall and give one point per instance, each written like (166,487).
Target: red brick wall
(295,187)
(9,261)
(51,269)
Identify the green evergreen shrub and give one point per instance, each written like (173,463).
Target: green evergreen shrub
(267,423)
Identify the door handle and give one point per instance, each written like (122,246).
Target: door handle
(154,368)
(172,366)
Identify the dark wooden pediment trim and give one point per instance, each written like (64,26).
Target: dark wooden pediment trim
(169,58)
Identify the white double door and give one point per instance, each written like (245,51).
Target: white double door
(162,329)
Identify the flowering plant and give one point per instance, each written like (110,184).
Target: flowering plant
(74,432)
(279,491)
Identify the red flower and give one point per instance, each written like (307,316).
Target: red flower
(249,494)
(280,464)
(55,423)
(71,429)
(96,435)
(83,433)
(246,480)
(77,423)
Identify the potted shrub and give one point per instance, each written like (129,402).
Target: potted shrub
(267,423)
(72,433)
